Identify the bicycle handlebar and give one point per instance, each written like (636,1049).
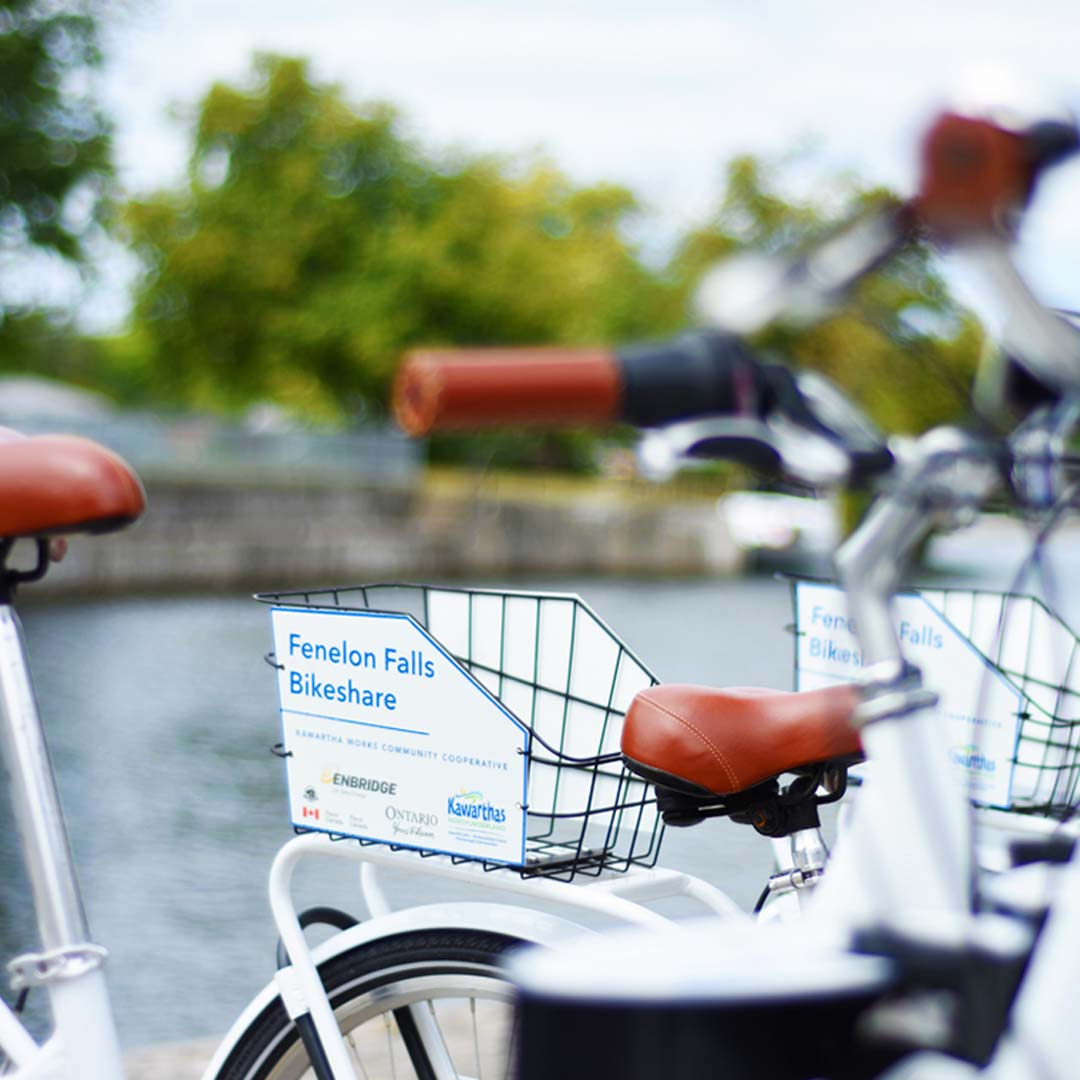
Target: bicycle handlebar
(978,175)
(644,385)
(707,391)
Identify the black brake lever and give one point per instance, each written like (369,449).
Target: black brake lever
(812,402)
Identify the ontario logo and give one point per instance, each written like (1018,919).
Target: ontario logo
(970,758)
(472,806)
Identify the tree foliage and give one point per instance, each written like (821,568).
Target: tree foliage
(315,241)
(54,149)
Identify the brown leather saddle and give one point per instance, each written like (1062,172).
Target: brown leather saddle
(55,485)
(720,752)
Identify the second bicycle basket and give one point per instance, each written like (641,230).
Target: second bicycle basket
(559,670)
(1039,654)
(1006,669)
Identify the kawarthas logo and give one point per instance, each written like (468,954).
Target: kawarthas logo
(472,805)
(970,758)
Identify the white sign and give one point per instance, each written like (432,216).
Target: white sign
(980,709)
(390,739)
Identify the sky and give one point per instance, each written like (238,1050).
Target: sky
(654,95)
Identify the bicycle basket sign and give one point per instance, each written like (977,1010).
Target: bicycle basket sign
(390,739)
(981,708)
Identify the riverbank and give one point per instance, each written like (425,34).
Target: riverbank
(221,532)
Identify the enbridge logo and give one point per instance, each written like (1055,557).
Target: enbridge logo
(358,783)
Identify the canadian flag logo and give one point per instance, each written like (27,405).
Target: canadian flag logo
(310,811)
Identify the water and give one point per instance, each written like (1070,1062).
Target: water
(160,713)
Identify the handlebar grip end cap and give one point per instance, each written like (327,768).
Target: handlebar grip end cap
(415,395)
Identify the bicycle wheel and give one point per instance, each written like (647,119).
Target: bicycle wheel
(380,991)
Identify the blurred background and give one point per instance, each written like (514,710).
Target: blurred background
(221,225)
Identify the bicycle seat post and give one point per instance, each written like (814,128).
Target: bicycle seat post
(36,803)
(67,963)
(805,853)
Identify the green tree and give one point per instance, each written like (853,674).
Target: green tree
(902,345)
(54,153)
(314,241)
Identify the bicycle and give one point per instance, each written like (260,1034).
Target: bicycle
(586,387)
(906,929)
(398,968)
(86,488)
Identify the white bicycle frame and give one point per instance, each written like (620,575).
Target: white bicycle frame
(905,862)
(69,967)
(622,899)
(907,849)
(888,860)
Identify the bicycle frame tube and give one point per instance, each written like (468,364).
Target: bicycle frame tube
(38,818)
(910,844)
(68,966)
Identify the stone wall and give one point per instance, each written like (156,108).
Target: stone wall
(209,534)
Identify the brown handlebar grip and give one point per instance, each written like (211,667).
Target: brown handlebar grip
(973,175)
(447,389)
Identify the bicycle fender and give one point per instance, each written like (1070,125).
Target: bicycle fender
(534,927)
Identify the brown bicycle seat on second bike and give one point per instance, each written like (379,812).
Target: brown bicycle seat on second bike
(51,485)
(701,740)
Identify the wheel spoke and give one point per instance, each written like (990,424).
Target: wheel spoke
(350,1041)
(476,1039)
(390,1045)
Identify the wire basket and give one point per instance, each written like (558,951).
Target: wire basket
(560,670)
(1026,647)
(1036,651)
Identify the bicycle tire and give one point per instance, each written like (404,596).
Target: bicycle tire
(454,973)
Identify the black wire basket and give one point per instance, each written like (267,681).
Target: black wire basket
(1036,651)
(1031,649)
(561,671)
